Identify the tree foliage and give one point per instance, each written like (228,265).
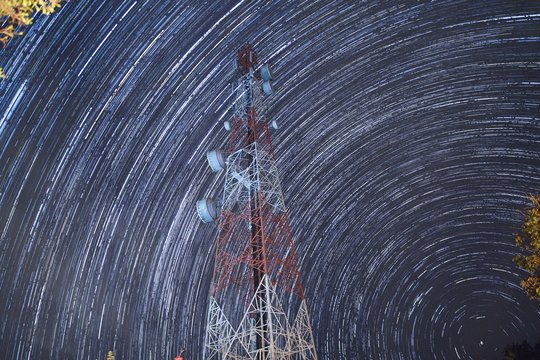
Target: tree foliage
(16,14)
(523,351)
(528,243)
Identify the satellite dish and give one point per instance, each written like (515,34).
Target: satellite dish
(215,160)
(267,88)
(274,125)
(266,72)
(227,125)
(206,209)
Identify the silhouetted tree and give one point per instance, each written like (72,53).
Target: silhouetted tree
(523,351)
(528,242)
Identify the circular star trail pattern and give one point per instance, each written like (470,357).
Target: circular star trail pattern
(409,139)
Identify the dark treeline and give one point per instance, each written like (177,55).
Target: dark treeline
(523,351)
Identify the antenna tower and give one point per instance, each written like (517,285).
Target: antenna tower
(257,308)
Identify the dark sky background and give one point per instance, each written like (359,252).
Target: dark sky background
(409,139)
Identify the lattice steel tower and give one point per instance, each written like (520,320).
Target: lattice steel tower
(257,307)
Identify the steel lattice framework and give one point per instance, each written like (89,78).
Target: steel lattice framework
(257,308)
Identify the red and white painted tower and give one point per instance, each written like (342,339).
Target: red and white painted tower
(257,307)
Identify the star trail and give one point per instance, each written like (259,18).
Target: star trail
(408,141)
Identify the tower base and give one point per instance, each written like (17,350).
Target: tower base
(283,339)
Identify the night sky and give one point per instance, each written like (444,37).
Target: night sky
(409,139)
